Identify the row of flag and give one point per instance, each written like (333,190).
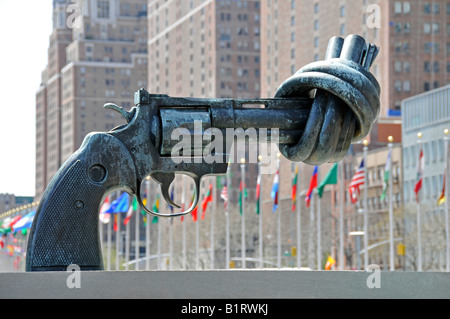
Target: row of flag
(17,223)
(120,205)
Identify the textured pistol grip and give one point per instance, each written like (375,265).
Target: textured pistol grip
(65,228)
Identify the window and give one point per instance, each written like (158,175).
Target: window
(406,7)
(342,11)
(406,86)
(436,67)
(406,66)
(435,27)
(397,7)
(103,9)
(436,8)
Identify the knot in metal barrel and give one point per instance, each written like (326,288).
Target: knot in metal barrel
(346,101)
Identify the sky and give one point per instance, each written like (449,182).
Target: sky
(25,27)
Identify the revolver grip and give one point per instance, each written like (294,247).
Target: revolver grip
(65,228)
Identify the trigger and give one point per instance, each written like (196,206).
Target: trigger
(165,179)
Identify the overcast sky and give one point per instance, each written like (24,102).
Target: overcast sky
(25,27)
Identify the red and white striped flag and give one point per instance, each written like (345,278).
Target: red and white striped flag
(419,178)
(357,180)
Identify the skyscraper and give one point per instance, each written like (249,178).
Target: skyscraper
(97,54)
(204,48)
(412,36)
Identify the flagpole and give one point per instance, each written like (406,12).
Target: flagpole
(299,224)
(170,243)
(136,238)
(261,261)
(117,215)
(311,236)
(197,235)
(227,219)
(147,229)
(127,243)
(213,212)
(183,201)
(243,213)
(391,210)
(278,217)
(419,217)
(366,217)
(446,179)
(109,234)
(319,228)
(341,216)
(158,226)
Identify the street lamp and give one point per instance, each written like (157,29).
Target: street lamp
(357,234)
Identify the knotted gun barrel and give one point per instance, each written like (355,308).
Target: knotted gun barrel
(346,101)
(317,113)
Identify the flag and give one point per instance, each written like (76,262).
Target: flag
(133,208)
(104,216)
(120,205)
(207,200)
(13,222)
(195,211)
(419,178)
(116,227)
(258,195)
(442,199)
(242,189)
(275,189)
(224,195)
(294,188)
(156,210)
(25,222)
(330,263)
(330,179)
(357,181)
(312,185)
(172,196)
(387,173)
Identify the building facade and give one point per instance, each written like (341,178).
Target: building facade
(412,36)
(204,48)
(97,54)
(429,115)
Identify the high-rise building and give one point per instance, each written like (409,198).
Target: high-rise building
(412,36)
(48,101)
(204,48)
(97,54)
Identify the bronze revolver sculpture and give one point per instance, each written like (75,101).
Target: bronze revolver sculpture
(318,112)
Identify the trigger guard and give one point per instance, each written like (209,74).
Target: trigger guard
(150,212)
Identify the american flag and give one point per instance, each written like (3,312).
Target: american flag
(357,181)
